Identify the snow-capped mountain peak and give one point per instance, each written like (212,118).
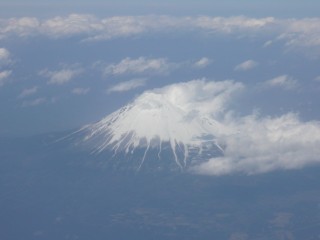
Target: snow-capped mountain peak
(157,121)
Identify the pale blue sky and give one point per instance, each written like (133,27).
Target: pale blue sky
(294,8)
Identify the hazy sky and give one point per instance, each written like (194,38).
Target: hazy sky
(63,65)
(294,8)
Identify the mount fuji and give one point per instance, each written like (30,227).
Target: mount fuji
(161,128)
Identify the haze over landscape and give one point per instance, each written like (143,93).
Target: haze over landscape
(149,120)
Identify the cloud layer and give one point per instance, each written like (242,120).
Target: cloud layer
(294,32)
(263,144)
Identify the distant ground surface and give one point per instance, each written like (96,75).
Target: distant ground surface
(48,191)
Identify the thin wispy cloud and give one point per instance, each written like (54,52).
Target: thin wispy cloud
(80,91)
(202,63)
(138,66)
(4,75)
(28,92)
(4,56)
(127,86)
(5,60)
(301,32)
(34,102)
(60,77)
(246,65)
(284,81)
(317,79)
(268,43)
(232,24)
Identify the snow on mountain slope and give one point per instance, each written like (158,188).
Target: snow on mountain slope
(180,116)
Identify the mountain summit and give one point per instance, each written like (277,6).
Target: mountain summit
(160,126)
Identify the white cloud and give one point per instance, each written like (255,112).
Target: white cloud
(202,63)
(260,145)
(138,66)
(127,26)
(4,61)
(80,91)
(268,43)
(4,56)
(73,24)
(122,26)
(28,91)
(201,96)
(89,26)
(100,29)
(232,24)
(295,32)
(302,32)
(62,76)
(22,27)
(284,81)
(246,65)
(4,77)
(128,85)
(33,103)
